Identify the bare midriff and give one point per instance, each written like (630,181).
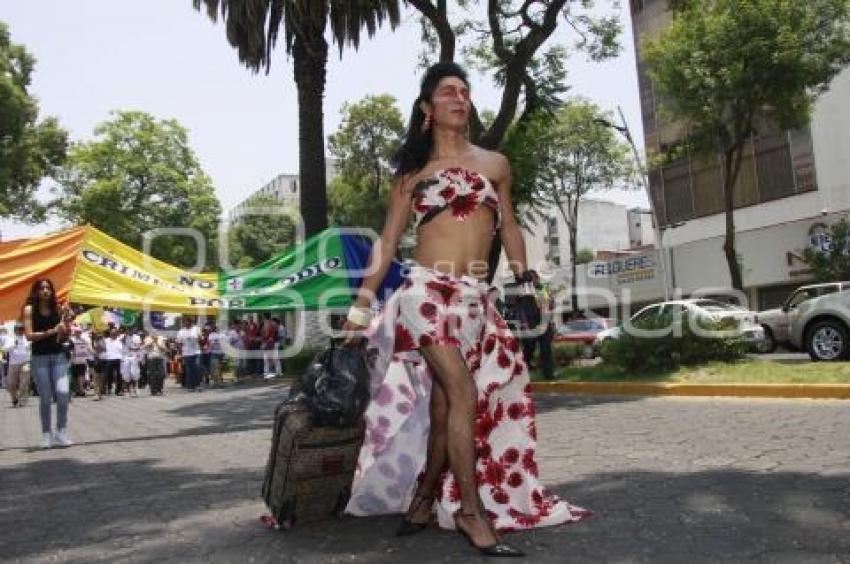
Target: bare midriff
(456,247)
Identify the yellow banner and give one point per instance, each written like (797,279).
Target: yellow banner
(110,273)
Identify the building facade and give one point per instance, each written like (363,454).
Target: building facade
(792,185)
(285,188)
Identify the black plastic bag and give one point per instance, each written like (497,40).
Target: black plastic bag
(335,386)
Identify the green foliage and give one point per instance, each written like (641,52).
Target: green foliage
(724,66)
(558,159)
(563,354)
(668,352)
(253,28)
(729,69)
(262,234)
(370,132)
(834,264)
(584,256)
(139,174)
(29,150)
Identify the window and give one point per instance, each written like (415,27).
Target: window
(708,186)
(801,296)
(802,159)
(646,315)
(677,191)
(773,166)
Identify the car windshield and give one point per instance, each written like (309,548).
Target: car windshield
(714,305)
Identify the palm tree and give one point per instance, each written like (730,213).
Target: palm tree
(253,27)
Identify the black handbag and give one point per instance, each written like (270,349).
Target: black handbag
(335,386)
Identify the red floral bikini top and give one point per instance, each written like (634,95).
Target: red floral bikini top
(457,189)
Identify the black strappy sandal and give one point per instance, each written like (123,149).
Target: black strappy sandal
(408,527)
(496,550)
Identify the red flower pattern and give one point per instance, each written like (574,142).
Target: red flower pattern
(458,189)
(428,311)
(506,470)
(515,480)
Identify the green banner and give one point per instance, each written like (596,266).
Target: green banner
(307,276)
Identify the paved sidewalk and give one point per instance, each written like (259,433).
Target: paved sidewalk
(679,480)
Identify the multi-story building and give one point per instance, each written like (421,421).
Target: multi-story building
(792,185)
(602,225)
(285,188)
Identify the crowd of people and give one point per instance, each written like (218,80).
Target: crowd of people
(50,356)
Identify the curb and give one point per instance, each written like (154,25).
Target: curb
(811,391)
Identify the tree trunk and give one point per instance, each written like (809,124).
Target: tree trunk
(310,57)
(573,227)
(732,166)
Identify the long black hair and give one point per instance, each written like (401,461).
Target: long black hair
(416,148)
(32,300)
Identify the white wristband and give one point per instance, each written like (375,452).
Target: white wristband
(359,316)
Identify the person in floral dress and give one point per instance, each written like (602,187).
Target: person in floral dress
(450,429)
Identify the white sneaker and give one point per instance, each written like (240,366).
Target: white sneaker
(62,438)
(46,440)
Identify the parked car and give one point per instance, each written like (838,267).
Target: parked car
(777,322)
(821,325)
(748,327)
(583,331)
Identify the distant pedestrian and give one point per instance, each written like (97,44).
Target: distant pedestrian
(18,370)
(205,357)
(156,351)
(131,366)
(189,337)
(216,355)
(79,361)
(99,365)
(268,337)
(236,338)
(280,343)
(46,329)
(113,356)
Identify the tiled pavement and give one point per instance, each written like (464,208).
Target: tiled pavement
(680,480)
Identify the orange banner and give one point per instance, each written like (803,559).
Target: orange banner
(24,261)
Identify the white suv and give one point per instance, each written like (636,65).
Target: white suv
(777,322)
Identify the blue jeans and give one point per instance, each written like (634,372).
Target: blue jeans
(193,372)
(50,373)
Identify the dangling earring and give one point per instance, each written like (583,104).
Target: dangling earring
(426,124)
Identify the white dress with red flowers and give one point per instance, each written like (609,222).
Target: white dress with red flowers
(434,308)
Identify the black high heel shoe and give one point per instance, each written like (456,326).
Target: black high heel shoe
(496,550)
(408,527)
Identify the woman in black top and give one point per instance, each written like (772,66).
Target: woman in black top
(46,329)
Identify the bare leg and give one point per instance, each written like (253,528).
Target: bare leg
(437,455)
(448,367)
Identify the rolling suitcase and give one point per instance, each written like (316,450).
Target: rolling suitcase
(309,469)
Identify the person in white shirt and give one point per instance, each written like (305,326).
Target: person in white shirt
(237,343)
(132,363)
(113,356)
(189,337)
(18,377)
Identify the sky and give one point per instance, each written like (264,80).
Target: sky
(163,57)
